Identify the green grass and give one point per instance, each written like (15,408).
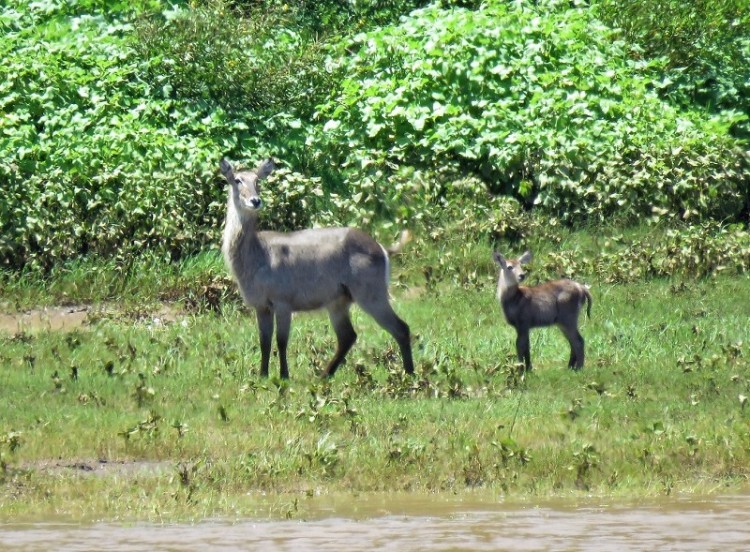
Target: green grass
(659,407)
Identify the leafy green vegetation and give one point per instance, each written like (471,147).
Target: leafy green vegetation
(706,46)
(95,161)
(116,116)
(545,106)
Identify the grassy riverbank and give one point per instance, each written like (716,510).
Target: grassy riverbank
(137,415)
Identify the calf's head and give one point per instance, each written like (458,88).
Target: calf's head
(511,270)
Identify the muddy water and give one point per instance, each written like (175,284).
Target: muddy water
(398,523)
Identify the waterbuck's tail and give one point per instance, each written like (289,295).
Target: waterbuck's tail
(396,248)
(589,300)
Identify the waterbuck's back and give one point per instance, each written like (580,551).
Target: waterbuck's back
(310,269)
(555,302)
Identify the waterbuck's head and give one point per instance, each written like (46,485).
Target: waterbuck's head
(511,271)
(245,185)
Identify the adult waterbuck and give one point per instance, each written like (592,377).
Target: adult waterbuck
(557,302)
(281,273)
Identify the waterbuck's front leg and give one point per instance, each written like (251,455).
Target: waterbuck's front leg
(265,332)
(523,347)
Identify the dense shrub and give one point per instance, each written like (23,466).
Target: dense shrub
(683,251)
(242,63)
(97,158)
(706,46)
(324,18)
(115,115)
(541,102)
(92,159)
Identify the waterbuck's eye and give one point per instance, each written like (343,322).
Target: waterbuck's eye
(237,181)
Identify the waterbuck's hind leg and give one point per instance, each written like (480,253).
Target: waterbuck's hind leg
(576,346)
(265,332)
(390,322)
(345,335)
(580,353)
(283,324)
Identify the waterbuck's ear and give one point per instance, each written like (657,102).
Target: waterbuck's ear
(226,169)
(499,259)
(525,258)
(265,168)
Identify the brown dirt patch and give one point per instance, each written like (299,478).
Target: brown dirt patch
(100,467)
(70,318)
(47,318)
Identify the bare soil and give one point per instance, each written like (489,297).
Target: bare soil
(69,318)
(93,468)
(47,318)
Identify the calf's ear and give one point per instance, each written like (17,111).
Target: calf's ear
(525,258)
(265,168)
(499,259)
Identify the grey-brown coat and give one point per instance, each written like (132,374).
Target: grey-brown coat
(558,302)
(281,273)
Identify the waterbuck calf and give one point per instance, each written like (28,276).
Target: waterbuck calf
(281,273)
(557,302)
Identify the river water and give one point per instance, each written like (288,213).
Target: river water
(406,523)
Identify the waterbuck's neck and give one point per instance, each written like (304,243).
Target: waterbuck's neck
(239,226)
(506,287)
